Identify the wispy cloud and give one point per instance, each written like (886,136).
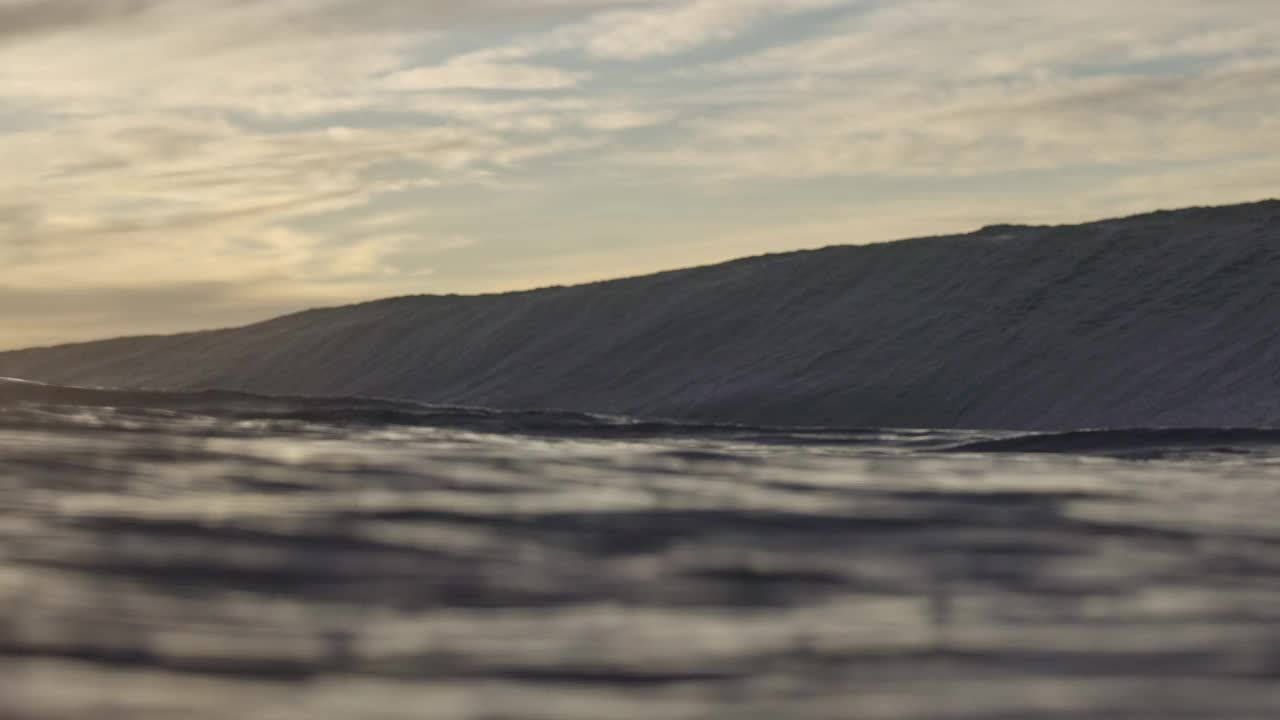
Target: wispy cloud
(942,87)
(477,73)
(676,28)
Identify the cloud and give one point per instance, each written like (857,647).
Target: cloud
(163,199)
(680,27)
(285,57)
(624,119)
(644,30)
(957,39)
(473,74)
(945,88)
(27,18)
(632,35)
(400,16)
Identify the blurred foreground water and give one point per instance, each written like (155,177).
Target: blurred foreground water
(327,562)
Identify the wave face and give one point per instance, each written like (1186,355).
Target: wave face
(1163,320)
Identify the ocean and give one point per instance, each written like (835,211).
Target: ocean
(217,555)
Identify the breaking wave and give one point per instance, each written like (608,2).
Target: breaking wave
(1163,320)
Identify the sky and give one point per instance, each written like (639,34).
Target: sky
(170,165)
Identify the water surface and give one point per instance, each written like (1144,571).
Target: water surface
(222,556)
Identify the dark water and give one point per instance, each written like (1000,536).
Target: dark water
(222,556)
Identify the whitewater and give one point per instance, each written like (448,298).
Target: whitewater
(226,555)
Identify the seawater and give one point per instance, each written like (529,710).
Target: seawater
(218,558)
